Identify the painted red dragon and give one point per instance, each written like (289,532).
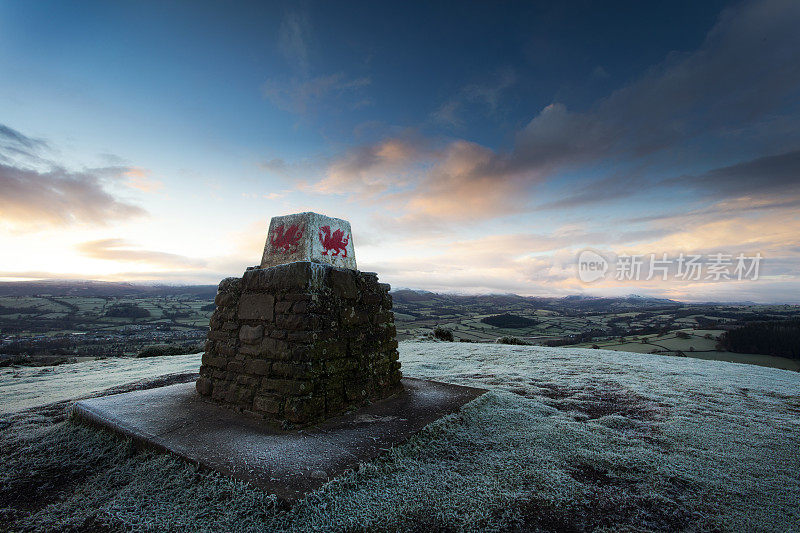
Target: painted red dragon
(288,241)
(335,243)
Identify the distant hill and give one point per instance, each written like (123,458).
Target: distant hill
(109,289)
(489,303)
(102,289)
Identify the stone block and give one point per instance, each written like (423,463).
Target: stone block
(230,285)
(300,336)
(294,322)
(256,307)
(227,349)
(204,386)
(250,382)
(234,366)
(277,334)
(372,298)
(343,283)
(251,350)
(300,276)
(289,387)
(224,299)
(217,335)
(292,370)
(259,367)
(303,410)
(309,237)
(270,404)
(301,307)
(282,307)
(251,334)
(214,361)
(299,297)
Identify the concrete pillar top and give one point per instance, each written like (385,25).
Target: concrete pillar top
(309,237)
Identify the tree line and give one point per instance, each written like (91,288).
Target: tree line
(776,337)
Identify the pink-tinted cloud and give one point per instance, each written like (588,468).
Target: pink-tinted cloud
(32,199)
(140,179)
(745,70)
(121,250)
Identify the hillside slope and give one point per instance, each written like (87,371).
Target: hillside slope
(566,439)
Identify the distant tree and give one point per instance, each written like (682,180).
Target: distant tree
(127,310)
(508,339)
(443,334)
(777,337)
(507,320)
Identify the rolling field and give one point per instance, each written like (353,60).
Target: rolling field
(52,327)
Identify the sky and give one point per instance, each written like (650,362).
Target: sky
(474,147)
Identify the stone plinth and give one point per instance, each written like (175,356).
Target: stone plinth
(286,463)
(300,342)
(309,237)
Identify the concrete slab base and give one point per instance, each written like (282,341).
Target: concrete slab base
(287,463)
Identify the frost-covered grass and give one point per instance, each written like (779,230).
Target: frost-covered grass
(24,387)
(566,439)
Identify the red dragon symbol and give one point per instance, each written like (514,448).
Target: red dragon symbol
(286,242)
(336,242)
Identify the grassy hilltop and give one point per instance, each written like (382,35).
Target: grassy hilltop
(566,440)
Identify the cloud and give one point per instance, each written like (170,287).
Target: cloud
(761,183)
(32,199)
(619,185)
(10,136)
(468,181)
(770,175)
(36,192)
(139,178)
(303,95)
(746,71)
(448,113)
(298,171)
(775,232)
(16,146)
(373,169)
(294,35)
(600,73)
(121,250)
(486,95)
(531,263)
(426,180)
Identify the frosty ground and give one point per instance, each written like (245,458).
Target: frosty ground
(566,440)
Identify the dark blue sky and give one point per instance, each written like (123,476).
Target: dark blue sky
(475,146)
